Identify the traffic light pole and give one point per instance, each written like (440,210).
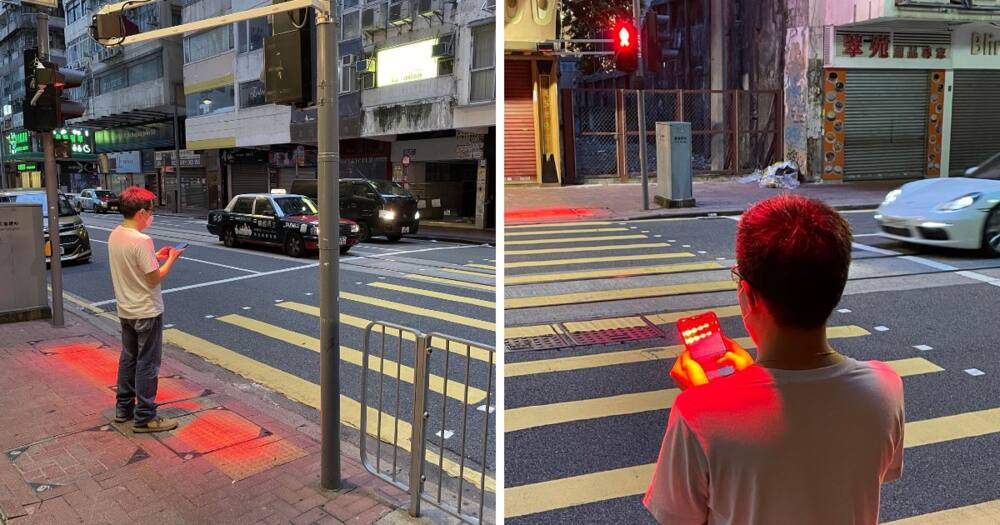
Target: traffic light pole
(640,79)
(51,191)
(328,157)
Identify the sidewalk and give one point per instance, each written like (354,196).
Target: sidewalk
(238,456)
(536,204)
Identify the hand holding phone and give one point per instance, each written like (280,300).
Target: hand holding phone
(705,344)
(180,246)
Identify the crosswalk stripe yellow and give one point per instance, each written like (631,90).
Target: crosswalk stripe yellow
(529,331)
(449,282)
(672,317)
(566,364)
(603,238)
(582,249)
(437,295)
(483,266)
(595,260)
(563,232)
(633,481)
(554,413)
(422,312)
(619,294)
(556,225)
(985,513)
(307,393)
(466,272)
(350,355)
(626,271)
(477,353)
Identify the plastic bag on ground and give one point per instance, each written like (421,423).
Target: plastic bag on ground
(778,175)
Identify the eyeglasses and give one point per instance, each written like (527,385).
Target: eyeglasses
(735,274)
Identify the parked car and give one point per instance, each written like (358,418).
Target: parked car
(957,212)
(74,201)
(98,201)
(289,221)
(74,240)
(380,207)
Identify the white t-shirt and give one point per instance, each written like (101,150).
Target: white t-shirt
(775,447)
(132,257)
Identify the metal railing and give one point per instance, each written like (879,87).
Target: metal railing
(460,375)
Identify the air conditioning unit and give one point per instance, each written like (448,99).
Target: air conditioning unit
(347,60)
(399,13)
(367,81)
(364,66)
(428,8)
(372,18)
(443,49)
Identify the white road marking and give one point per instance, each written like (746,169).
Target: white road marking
(687,246)
(658,236)
(881,328)
(447,434)
(844,311)
(923,348)
(309,293)
(278,300)
(974,372)
(866,248)
(482,408)
(702,252)
(168,326)
(201,261)
(209,316)
(933,264)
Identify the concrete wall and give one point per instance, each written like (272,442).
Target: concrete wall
(803,71)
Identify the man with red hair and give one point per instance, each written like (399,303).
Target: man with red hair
(805,434)
(136,274)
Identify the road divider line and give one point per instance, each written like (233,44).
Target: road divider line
(467,272)
(923,261)
(307,393)
(483,266)
(563,232)
(557,225)
(566,364)
(595,260)
(449,282)
(437,295)
(985,513)
(420,311)
(603,238)
(456,390)
(477,353)
(619,294)
(582,249)
(632,271)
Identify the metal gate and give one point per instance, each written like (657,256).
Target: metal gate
(975,135)
(885,124)
(249,178)
(521,160)
(449,389)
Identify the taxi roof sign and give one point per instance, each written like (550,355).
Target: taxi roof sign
(278,191)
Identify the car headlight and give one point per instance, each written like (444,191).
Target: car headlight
(387,215)
(891,196)
(416,216)
(960,203)
(355,228)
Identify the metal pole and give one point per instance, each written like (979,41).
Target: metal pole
(328,157)
(176,163)
(420,415)
(51,191)
(640,79)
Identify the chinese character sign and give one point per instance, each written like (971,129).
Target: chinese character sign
(881,46)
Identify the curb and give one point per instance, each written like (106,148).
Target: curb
(727,212)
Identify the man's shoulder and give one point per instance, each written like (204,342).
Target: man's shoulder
(722,395)
(127,235)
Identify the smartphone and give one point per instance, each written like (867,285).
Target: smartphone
(702,336)
(181,246)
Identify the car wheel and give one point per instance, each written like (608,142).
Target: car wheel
(344,250)
(991,234)
(393,237)
(364,232)
(229,237)
(294,246)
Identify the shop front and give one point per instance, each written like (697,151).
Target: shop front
(75,160)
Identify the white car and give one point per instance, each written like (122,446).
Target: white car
(956,212)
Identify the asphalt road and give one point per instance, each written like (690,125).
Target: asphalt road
(256,311)
(583,423)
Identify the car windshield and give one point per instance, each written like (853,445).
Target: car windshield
(385,187)
(990,169)
(102,194)
(296,205)
(65,210)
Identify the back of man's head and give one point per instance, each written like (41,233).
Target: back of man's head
(133,199)
(795,253)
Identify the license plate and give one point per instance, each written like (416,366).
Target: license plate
(406,229)
(343,241)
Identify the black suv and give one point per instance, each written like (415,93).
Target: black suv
(74,241)
(380,207)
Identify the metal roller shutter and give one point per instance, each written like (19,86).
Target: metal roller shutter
(195,188)
(975,135)
(885,124)
(520,162)
(249,178)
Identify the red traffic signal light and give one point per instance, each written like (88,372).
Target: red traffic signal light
(626,44)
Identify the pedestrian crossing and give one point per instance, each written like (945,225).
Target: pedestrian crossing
(583,424)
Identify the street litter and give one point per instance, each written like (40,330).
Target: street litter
(777,175)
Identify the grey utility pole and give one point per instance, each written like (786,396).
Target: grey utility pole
(176,163)
(640,93)
(51,190)
(328,157)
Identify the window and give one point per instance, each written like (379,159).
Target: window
(350,23)
(243,205)
(348,78)
(263,207)
(251,34)
(112,81)
(145,71)
(252,94)
(208,44)
(73,11)
(211,101)
(481,82)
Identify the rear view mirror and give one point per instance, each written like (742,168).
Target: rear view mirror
(970,170)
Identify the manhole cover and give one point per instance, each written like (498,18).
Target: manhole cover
(616,335)
(538,342)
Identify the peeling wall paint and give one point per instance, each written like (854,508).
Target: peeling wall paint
(407,118)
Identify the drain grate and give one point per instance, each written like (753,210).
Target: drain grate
(616,335)
(538,342)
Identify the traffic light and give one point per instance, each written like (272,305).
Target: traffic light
(626,46)
(44,107)
(111,28)
(289,59)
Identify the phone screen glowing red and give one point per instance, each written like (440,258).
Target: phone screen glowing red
(702,336)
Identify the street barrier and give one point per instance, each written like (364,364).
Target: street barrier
(459,454)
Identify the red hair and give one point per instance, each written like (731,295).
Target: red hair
(795,252)
(134,199)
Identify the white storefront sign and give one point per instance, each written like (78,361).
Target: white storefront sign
(125,162)
(976,46)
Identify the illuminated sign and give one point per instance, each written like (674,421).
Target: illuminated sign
(406,63)
(18,142)
(27,167)
(79,139)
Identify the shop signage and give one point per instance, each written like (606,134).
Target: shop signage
(125,162)
(27,167)
(189,159)
(243,156)
(984,44)
(881,45)
(156,135)
(406,63)
(79,140)
(469,146)
(18,142)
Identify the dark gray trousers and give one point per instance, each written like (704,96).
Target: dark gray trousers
(142,342)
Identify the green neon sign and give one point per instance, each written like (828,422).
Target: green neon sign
(18,142)
(27,167)
(79,139)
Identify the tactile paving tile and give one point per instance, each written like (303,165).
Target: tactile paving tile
(253,457)
(540,342)
(204,432)
(616,335)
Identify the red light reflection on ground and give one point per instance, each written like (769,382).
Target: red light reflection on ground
(169,389)
(214,429)
(187,406)
(100,367)
(531,214)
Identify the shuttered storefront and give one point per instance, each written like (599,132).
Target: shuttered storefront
(975,134)
(520,159)
(194,184)
(249,178)
(885,124)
